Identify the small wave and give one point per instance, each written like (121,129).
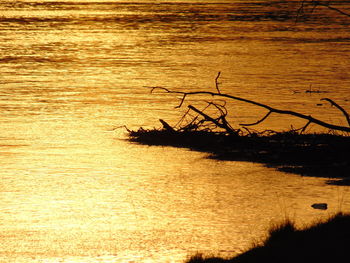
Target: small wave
(33,59)
(310,39)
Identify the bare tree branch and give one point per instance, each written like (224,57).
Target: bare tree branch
(166,126)
(259,121)
(339,108)
(224,125)
(304,128)
(269,108)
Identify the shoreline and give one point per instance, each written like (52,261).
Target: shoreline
(324,241)
(317,154)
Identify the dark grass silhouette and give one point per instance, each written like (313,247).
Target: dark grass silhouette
(326,241)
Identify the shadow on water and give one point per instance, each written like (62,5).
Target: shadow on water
(319,155)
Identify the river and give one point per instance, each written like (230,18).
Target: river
(73,189)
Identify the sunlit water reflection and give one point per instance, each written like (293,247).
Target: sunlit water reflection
(74,190)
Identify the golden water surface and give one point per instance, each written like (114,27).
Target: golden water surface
(73,189)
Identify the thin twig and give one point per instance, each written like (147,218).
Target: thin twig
(259,121)
(304,128)
(217,83)
(215,121)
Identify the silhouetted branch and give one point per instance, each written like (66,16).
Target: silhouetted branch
(339,108)
(259,121)
(304,128)
(221,108)
(215,121)
(271,110)
(166,126)
(176,92)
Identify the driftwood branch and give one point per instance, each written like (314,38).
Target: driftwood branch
(271,110)
(204,122)
(339,108)
(224,125)
(221,108)
(304,128)
(166,126)
(259,121)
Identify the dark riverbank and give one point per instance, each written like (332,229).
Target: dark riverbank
(322,242)
(324,155)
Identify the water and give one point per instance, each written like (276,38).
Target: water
(74,190)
